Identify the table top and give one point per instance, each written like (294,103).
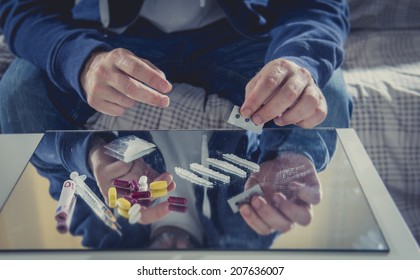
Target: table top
(399,244)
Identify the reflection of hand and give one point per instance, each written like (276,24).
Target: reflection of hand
(114,81)
(290,185)
(289,95)
(106,168)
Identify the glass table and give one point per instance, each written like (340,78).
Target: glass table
(339,206)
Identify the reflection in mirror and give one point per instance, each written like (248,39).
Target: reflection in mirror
(189,189)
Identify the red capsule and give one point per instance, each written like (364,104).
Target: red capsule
(121,183)
(130,199)
(177,200)
(178,208)
(134,186)
(140,195)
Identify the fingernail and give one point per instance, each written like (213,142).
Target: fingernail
(165,102)
(164,86)
(246,112)
(245,210)
(256,203)
(278,120)
(277,199)
(257,120)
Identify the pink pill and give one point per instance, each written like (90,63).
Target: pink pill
(140,195)
(121,183)
(130,199)
(134,186)
(177,208)
(177,200)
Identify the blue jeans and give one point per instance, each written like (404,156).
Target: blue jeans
(215,57)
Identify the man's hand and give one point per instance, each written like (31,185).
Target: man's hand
(106,168)
(286,93)
(114,81)
(291,186)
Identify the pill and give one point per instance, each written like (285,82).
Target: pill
(123,213)
(144,202)
(123,203)
(134,186)
(177,200)
(157,185)
(121,183)
(143,184)
(112,193)
(159,193)
(133,209)
(135,217)
(112,203)
(138,195)
(177,208)
(130,199)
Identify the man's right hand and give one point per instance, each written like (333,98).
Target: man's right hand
(114,81)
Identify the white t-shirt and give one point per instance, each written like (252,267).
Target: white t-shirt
(179,15)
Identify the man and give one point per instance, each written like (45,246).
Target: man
(275,59)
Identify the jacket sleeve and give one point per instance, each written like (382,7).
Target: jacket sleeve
(316,144)
(312,34)
(44,33)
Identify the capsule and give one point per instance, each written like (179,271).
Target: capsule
(121,183)
(123,204)
(123,213)
(134,209)
(158,185)
(178,208)
(112,203)
(144,202)
(177,200)
(159,193)
(134,186)
(130,199)
(112,193)
(141,195)
(143,184)
(135,217)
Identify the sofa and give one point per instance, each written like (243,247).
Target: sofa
(382,73)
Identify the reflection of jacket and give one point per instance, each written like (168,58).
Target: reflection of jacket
(308,32)
(60,153)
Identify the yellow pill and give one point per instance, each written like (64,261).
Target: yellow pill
(112,193)
(123,213)
(123,204)
(157,185)
(112,203)
(159,193)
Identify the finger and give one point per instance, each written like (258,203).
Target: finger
(299,213)
(316,118)
(310,194)
(252,181)
(251,85)
(253,220)
(109,108)
(154,213)
(169,180)
(118,169)
(154,67)
(270,216)
(270,78)
(111,95)
(141,71)
(310,101)
(286,96)
(138,91)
